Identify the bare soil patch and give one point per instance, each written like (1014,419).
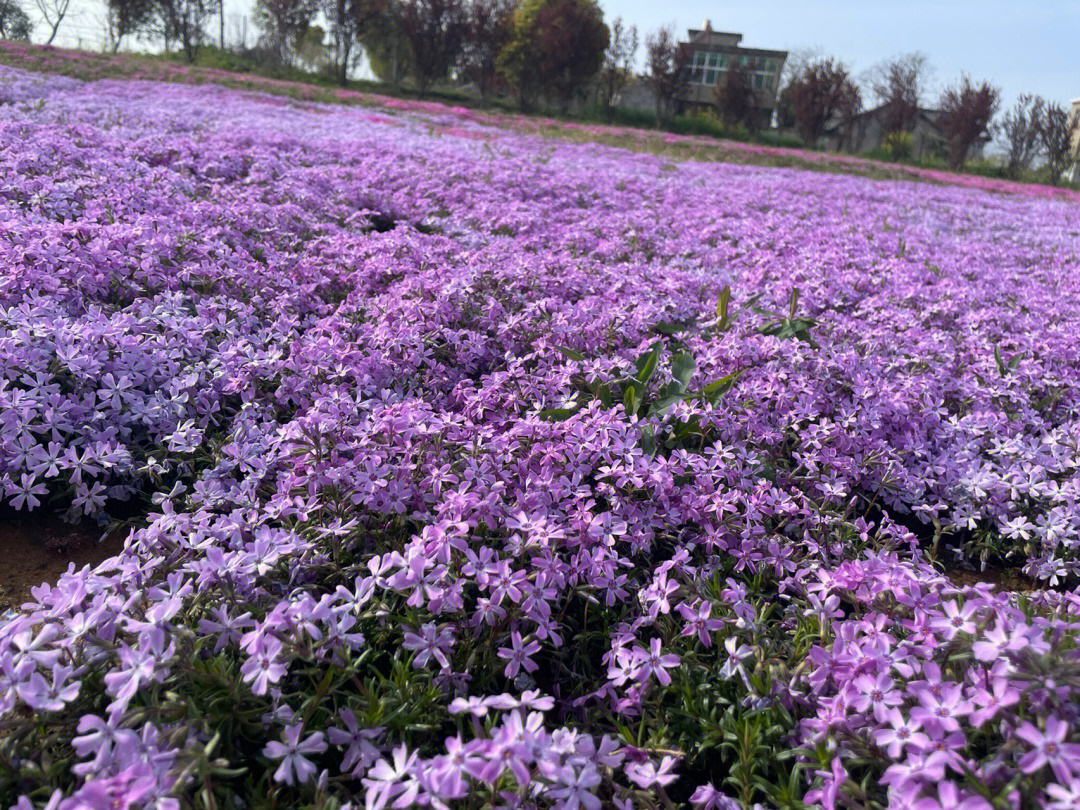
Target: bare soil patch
(1003,579)
(38,547)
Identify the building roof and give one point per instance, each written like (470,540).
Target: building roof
(708,38)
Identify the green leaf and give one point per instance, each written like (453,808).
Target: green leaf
(670,327)
(570,354)
(648,440)
(714,390)
(558,414)
(631,400)
(722,306)
(1000,363)
(660,405)
(646,364)
(682,369)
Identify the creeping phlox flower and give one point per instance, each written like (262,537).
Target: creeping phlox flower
(472,468)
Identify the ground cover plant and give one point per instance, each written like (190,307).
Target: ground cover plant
(700,139)
(471,468)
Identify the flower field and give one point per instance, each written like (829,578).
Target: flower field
(472,468)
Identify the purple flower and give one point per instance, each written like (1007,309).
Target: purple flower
(518,655)
(431,642)
(653,663)
(295,767)
(1049,748)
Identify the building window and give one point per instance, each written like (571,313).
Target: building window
(759,80)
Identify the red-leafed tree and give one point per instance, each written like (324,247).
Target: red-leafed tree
(1019,133)
(898,86)
(736,102)
(966,110)
(822,93)
(489,25)
(435,30)
(667,68)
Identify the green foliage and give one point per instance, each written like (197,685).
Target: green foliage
(790,325)
(639,399)
(898,145)
(556,46)
(14,23)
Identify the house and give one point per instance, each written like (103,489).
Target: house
(1073,174)
(713,53)
(866,132)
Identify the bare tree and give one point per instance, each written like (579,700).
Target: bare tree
(435,30)
(966,112)
(823,92)
(489,26)
(53,13)
(667,66)
(1058,134)
(617,67)
(898,85)
(1019,133)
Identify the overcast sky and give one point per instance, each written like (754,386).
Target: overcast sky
(1020,45)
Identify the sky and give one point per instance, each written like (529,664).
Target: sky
(1019,45)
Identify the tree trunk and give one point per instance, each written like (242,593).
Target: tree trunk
(221,24)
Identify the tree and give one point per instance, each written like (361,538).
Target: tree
(898,86)
(348,21)
(736,102)
(1058,133)
(14,24)
(386,46)
(667,63)
(794,65)
(311,50)
(52,13)
(823,92)
(617,66)
(557,46)
(285,22)
(966,112)
(126,17)
(435,30)
(1019,133)
(182,21)
(489,24)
